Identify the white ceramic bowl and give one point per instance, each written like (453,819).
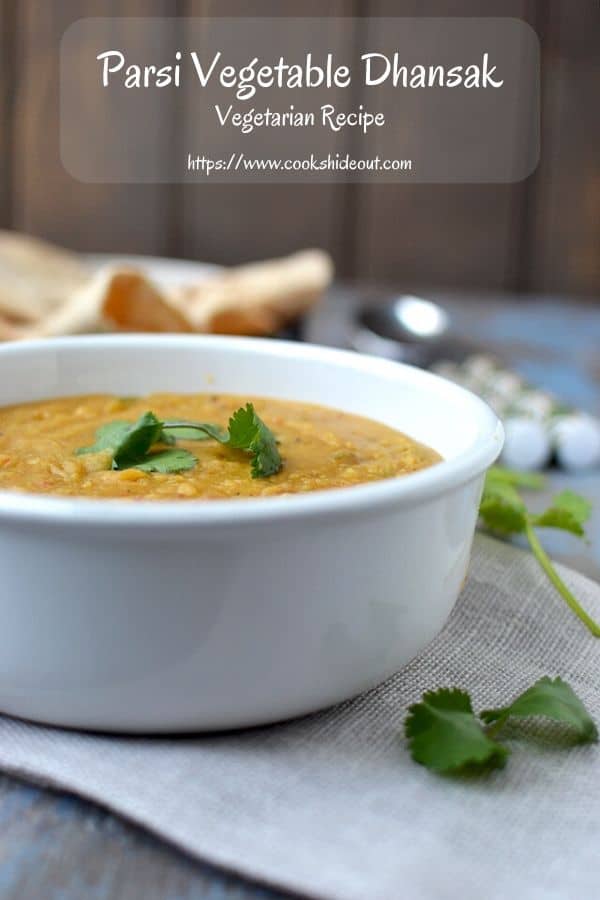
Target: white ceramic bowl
(204,615)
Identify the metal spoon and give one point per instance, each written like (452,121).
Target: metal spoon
(410,329)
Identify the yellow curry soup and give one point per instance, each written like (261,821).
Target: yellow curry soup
(320,448)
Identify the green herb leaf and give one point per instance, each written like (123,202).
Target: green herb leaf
(193,431)
(444,734)
(532,481)
(502,510)
(138,440)
(108,437)
(130,444)
(553,699)
(248,432)
(546,565)
(568,512)
(175,460)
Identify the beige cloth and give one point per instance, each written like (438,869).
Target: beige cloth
(332,806)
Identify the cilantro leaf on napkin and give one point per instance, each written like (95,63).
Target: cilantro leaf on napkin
(503,510)
(445,735)
(553,699)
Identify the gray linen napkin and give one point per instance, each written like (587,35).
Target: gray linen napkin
(332,806)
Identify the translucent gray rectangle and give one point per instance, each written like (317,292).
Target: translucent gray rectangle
(304,99)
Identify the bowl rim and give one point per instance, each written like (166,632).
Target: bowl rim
(405,490)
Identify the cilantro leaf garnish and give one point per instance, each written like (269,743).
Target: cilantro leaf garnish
(195,431)
(446,736)
(172,460)
(192,431)
(503,510)
(130,444)
(553,699)
(142,435)
(108,437)
(246,432)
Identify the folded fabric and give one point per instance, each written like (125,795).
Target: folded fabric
(332,806)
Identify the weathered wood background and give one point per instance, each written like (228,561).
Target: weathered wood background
(540,235)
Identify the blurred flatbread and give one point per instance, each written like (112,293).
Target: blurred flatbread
(9,329)
(35,277)
(258,298)
(113,300)
(46,291)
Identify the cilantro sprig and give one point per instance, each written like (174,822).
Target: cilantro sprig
(133,445)
(503,510)
(443,731)
(246,432)
(553,699)
(446,736)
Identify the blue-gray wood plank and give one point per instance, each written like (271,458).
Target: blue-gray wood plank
(54,846)
(61,848)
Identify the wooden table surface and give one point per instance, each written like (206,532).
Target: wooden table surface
(57,847)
